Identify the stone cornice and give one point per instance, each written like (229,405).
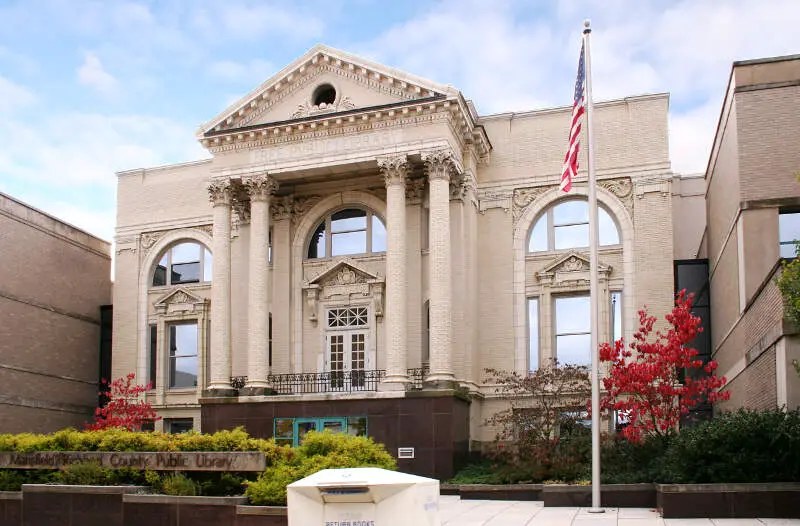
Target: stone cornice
(356,121)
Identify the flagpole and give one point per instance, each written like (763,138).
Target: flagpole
(593,285)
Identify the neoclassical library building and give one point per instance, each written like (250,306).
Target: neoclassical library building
(362,245)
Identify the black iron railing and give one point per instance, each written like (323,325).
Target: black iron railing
(416,377)
(330,382)
(237,382)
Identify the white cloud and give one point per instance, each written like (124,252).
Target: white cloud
(13,96)
(255,71)
(685,48)
(99,221)
(92,75)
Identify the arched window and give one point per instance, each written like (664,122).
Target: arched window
(566,225)
(186,262)
(346,232)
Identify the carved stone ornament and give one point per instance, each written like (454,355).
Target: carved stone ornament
(415,190)
(307,110)
(259,187)
(180,301)
(394,169)
(622,189)
(147,240)
(573,264)
(523,197)
(438,164)
(219,192)
(346,276)
(292,207)
(494,199)
(571,269)
(312,296)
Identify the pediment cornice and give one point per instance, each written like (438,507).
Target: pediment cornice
(572,267)
(344,272)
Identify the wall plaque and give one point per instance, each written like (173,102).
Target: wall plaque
(161,461)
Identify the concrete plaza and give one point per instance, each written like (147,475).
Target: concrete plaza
(456,512)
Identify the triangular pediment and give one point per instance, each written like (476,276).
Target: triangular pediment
(178,296)
(345,272)
(289,94)
(572,261)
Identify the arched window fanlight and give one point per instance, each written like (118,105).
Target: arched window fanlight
(186,262)
(347,232)
(566,225)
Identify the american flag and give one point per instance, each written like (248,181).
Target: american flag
(571,159)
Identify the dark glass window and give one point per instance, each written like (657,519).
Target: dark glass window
(187,263)
(152,357)
(178,425)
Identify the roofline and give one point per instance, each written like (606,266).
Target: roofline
(766,60)
(161,167)
(298,120)
(557,109)
(712,154)
(54,218)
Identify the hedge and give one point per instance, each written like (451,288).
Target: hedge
(284,463)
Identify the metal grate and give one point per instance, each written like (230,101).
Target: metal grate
(416,377)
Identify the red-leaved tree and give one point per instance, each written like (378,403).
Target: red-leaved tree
(644,384)
(126,407)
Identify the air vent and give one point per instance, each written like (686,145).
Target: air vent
(405,452)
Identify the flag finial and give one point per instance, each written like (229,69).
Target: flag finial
(587,26)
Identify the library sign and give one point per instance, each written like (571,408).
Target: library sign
(161,461)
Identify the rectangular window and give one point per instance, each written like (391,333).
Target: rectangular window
(183,355)
(616,315)
(178,425)
(269,336)
(269,248)
(348,243)
(573,330)
(789,232)
(426,333)
(185,266)
(152,356)
(290,431)
(533,334)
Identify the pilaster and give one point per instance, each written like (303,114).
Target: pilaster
(395,170)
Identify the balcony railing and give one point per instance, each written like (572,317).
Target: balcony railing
(330,382)
(333,382)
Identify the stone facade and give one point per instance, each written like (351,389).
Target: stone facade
(751,182)
(431,302)
(53,282)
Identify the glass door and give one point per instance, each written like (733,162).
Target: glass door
(347,358)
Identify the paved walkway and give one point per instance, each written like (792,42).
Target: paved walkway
(457,512)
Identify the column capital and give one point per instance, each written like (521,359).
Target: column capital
(260,187)
(439,164)
(219,192)
(394,168)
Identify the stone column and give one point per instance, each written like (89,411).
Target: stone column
(260,189)
(395,169)
(219,192)
(439,166)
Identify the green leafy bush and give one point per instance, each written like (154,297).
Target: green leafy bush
(626,462)
(179,485)
(83,474)
(319,451)
(745,446)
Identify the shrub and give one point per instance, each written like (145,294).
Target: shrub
(11,480)
(83,474)
(179,485)
(625,462)
(745,446)
(319,451)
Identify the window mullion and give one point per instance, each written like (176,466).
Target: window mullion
(369,232)
(551,234)
(329,235)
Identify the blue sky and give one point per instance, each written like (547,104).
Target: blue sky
(88,88)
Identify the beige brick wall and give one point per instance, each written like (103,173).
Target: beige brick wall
(55,279)
(754,388)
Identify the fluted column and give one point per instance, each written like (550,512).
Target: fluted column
(260,189)
(439,166)
(219,192)
(395,169)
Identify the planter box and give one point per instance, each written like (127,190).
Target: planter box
(261,516)
(84,505)
(10,508)
(157,510)
(500,491)
(449,489)
(611,495)
(778,500)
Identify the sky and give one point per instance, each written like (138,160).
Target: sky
(89,88)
